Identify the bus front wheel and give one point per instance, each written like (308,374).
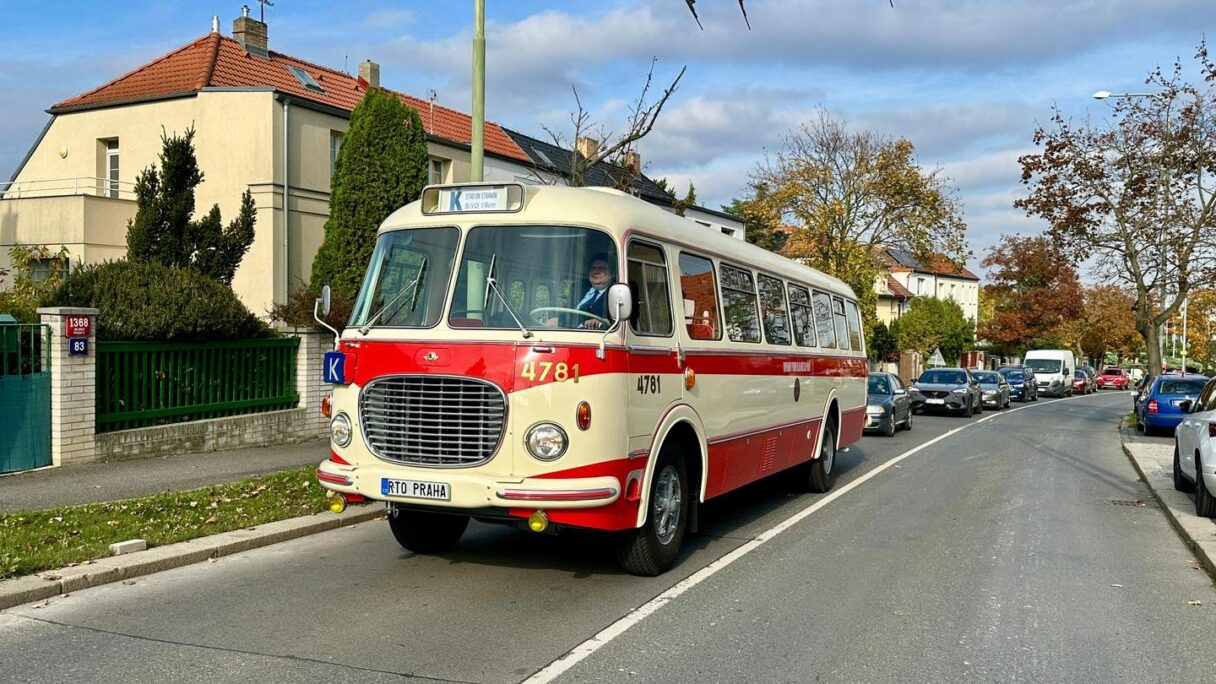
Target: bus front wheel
(652,548)
(426,532)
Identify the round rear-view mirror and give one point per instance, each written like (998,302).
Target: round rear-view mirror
(324,301)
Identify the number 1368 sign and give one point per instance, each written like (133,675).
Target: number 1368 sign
(78,326)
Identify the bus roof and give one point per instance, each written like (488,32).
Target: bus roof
(560,205)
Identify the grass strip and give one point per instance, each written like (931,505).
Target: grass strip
(32,541)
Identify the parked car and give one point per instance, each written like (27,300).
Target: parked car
(1080,382)
(1159,409)
(1195,450)
(950,389)
(888,405)
(1142,386)
(1053,370)
(1113,377)
(1091,379)
(994,389)
(1022,386)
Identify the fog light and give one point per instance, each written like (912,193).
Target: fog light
(338,503)
(538,521)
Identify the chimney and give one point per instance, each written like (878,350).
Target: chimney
(215,24)
(633,162)
(369,71)
(586,146)
(250,33)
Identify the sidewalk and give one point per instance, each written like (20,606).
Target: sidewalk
(97,482)
(1154,459)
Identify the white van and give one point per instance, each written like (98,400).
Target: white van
(1053,368)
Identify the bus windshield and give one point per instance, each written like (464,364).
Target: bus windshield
(1044,365)
(553,277)
(407,281)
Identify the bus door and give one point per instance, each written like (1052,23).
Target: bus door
(655,369)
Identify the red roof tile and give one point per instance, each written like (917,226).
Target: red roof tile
(216,61)
(898,290)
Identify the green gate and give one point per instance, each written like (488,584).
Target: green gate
(25,396)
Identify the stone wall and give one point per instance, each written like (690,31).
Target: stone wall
(215,434)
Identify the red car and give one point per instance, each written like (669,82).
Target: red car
(1080,382)
(1114,378)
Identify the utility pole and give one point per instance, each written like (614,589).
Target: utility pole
(477,173)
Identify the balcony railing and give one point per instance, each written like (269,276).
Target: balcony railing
(59,187)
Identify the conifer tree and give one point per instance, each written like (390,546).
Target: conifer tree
(163,230)
(381,166)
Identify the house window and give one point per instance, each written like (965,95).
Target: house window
(41,269)
(306,79)
(112,168)
(920,286)
(335,145)
(437,172)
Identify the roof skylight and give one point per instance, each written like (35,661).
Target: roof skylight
(305,79)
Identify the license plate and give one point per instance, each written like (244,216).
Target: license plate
(935,401)
(415,489)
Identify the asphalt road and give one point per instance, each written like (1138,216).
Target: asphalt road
(1010,549)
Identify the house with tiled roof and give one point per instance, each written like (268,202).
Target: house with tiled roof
(893,298)
(932,277)
(263,121)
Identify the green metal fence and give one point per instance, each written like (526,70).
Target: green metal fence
(25,396)
(153,383)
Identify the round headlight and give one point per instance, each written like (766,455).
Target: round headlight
(339,430)
(546,441)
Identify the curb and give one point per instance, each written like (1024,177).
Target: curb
(50,583)
(1182,522)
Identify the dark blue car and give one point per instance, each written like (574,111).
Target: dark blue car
(1158,409)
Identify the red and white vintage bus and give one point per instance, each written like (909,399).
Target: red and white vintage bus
(558,357)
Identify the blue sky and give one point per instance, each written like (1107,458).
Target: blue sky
(964,80)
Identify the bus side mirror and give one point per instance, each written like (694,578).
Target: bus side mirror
(620,302)
(323,302)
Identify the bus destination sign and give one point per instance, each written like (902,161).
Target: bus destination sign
(474,199)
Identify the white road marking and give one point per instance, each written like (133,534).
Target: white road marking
(579,653)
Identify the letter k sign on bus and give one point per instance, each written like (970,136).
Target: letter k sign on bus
(334,368)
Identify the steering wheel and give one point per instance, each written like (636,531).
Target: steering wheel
(538,318)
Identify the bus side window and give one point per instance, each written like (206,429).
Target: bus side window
(823,320)
(800,316)
(699,297)
(856,339)
(648,274)
(842,339)
(739,302)
(772,309)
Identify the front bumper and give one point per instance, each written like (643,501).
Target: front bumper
(952,402)
(471,490)
(878,422)
(995,400)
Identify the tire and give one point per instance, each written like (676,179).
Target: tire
(1205,504)
(426,532)
(819,475)
(979,406)
(890,431)
(908,422)
(652,548)
(1180,482)
(1139,423)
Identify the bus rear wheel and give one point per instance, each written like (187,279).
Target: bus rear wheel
(426,532)
(652,548)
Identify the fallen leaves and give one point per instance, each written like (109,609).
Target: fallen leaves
(1194,602)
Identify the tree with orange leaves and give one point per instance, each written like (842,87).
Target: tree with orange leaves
(1034,291)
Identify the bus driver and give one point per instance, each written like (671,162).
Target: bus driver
(595,301)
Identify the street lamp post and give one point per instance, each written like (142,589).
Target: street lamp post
(477,160)
(1103,95)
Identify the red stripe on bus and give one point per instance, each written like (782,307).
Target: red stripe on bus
(515,366)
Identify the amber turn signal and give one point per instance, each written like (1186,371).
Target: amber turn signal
(690,378)
(582,416)
(326,408)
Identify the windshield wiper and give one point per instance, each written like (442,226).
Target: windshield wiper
(492,284)
(413,288)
